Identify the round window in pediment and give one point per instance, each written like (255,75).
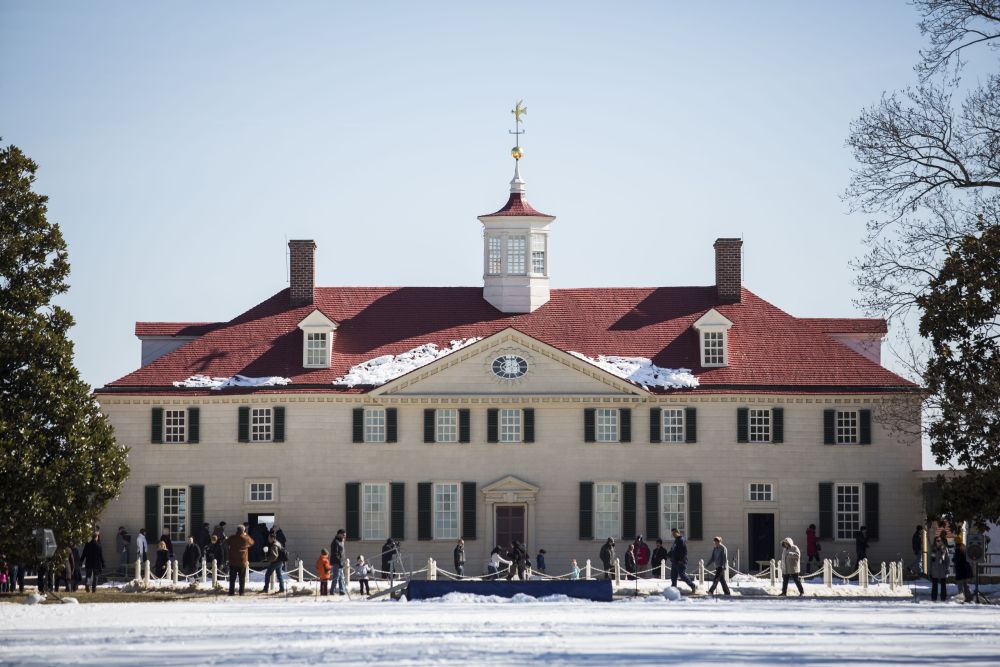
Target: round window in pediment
(509,367)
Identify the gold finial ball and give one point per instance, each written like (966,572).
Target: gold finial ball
(516,152)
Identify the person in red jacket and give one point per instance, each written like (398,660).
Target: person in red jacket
(641,554)
(812,546)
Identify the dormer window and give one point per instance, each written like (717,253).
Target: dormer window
(317,340)
(713,339)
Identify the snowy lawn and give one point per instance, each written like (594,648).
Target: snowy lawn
(472,630)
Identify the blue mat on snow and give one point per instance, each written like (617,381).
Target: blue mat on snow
(598,591)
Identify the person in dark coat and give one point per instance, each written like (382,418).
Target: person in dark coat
(191,558)
(963,570)
(165,538)
(338,561)
(274,554)
(459,557)
(123,545)
(93,561)
(388,552)
(630,563)
(917,546)
(213,554)
(517,557)
(679,560)
(220,532)
(540,560)
(861,544)
(608,556)
(203,536)
(162,558)
(659,555)
(279,535)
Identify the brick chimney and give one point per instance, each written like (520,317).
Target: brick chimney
(729,269)
(302,273)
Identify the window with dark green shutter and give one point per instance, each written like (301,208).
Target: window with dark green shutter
(391,428)
(625,419)
(464,426)
(469,502)
(243,424)
(865,427)
(654,425)
(742,424)
(358,425)
(152,514)
(694,511)
(425,511)
(586,510)
(690,425)
(493,425)
(652,510)
(629,511)
(829,432)
(871,510)
(529,424)
(397,517)
(826,510)
(197,506)
(194,426)
(429,416)
(777,425)
(589,418)
(352,510)
(279,423)
(156,436)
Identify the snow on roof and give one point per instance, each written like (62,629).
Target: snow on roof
(643,371)
(388,367)
(206,382)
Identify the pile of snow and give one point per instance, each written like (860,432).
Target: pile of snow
(206,382)
(643,372)
(34,598)
(388,367)
(672,593)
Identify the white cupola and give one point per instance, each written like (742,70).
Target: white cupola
(516,246)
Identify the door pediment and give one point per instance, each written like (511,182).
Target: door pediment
(510,489)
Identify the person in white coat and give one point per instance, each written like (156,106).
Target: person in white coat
(791,559)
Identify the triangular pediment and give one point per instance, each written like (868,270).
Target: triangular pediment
(510,484)
(317,320)
(472,371)
(713,319)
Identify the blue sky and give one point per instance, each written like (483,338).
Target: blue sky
(182,143)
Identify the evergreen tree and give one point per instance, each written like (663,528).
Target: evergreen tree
(59,462)
(961,318)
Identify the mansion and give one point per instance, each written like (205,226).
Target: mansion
(513,411)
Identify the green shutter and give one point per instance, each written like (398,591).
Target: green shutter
(152,514)
(826,510)
(586,510)
(865,427)
(352,510)
(197,508)
(397,524)
(156,435)
(529,424)
(243,425)
(492,425)
(625,424)
(655,427)
(391,430)
(742,424)
(652,510)
(628,511)
(469,501)
(464,427)
(694,511)
(777,425)
(358,425)
(829,430)
(588,425)
(429,425)
(279,424)
(690,424)
(194,427)
(871,510)
(424,511)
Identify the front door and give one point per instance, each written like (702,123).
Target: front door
(510,525)
(760,535)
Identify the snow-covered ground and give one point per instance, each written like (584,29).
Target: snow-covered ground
(472,630)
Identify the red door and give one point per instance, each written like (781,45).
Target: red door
(510,525)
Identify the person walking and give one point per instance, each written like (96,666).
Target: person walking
(679,560)
(812,547)
(459,557)
(93,561)
(630,564)
(720,559)
(363,570)
(239,559)
(275,557)
(323,571)
(791,563)
(963,570)
(641,554)
(388,553)
(861,544)
(123,544)
(938,562)
(516,557)
(659,555)
(141,546)
(608,556)
(917,546)
(540,560)
(338,561)
(191,558)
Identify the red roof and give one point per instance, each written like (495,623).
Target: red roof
(516,205)
(870,325)
(175,328)
(768,348)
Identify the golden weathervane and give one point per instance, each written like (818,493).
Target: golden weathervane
(518,111)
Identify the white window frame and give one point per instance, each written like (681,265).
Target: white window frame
(714,355)
(539,255)
(510,425)
(375,425)
(446,425)
(842,430)
(764,493)
(175,426)
(317,356)
(317,323)
(447,524)
(667,524)
(673,425)
(374,518)
(494,255)
(860,512)
(765,425)
(183,512)
(713,322)
(261,424)
(266,487)
(607,521)
(517,255)
(607,425)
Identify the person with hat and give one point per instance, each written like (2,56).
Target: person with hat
(362,570)
(791,563)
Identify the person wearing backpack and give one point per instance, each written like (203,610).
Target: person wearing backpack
(275,556)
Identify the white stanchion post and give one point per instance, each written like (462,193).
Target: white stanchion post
(771,571)
(663,569)
(827,573)
(892,576)
(167,573)
(899,573)
(300,571)
(177,571)
(586,570)
(138,570)
(246,573)
(431,570)
(701,572)
(618,574)
(863,573)
(215,573)
(882,574)
(145,576)
(204,570)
